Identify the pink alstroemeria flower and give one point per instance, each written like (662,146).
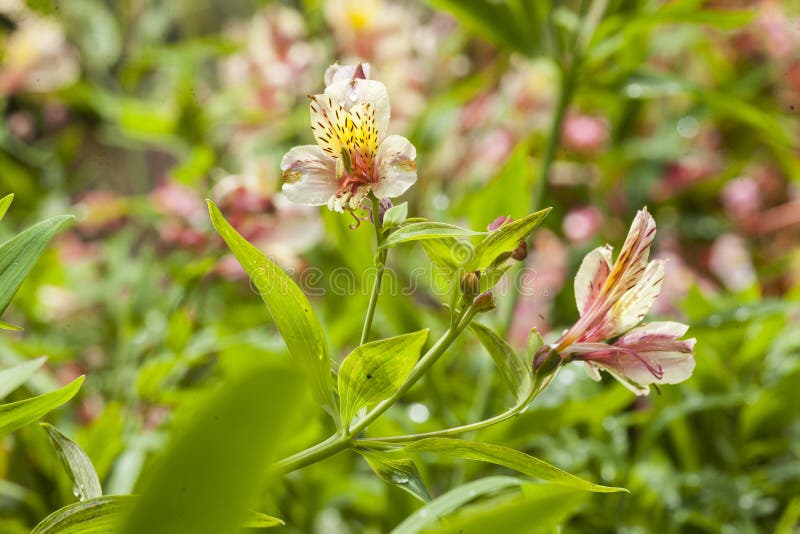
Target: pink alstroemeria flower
(612,299)
(353,155)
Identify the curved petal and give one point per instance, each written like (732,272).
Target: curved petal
(396,168)
(348,93)
(591,276)
(658,330)
(309,175)
(635,303)
(632,259)
(329,122)
(344,73)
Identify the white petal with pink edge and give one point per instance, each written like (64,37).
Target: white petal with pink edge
(396,168)
(309,175)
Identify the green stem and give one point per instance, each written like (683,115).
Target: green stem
(333,445)
(381,264)
(449,432)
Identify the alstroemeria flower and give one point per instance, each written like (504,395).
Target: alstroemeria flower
(612,299)
(353,155)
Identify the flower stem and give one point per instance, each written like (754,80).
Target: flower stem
(463,429)
(380,264)
(331,446)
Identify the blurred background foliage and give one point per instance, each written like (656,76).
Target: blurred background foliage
(128,114)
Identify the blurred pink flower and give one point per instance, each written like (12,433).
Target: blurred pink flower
(584,132)
(544,275)
(741,197)
(274,66)
(581,224)
(178,200)
(730,261)
(779,31)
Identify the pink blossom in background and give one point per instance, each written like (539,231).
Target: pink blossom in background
(544,276)
(730,261)
(581,224)
(741,197)
(583,132)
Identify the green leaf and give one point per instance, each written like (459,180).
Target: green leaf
(515,371)
(259,520)
(426,230)
(14,377)
(18,414)
(496,21)
(396,215)
(534,343)
(504,240)
(400,472)
(216,462)
(85,483)
(101,515)
(289,307)
(374,371)
(447,252)
(5,202)
(8,326)
(18,254)
(542,508)
(510,458)
(453,500)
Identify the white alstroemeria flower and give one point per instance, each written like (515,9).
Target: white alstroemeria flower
(612,298)
(353,155)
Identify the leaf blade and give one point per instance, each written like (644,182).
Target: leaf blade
(373,371)
(418,231)
(513,369)
(452,500)
(504,240)
(506,457)
(18,414)
(288,306)
(14,377)
(86,483)
(18,255)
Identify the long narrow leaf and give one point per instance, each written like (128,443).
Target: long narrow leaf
(14,377)
(453,500)
(18,254)
(288,305)
(18,414)
(510,458)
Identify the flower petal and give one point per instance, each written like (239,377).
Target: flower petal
(348,93)
(635,303)
(344,73)
(591,276)
(309,175)
(396,168)
(659,330)
(633,256)
(330,124)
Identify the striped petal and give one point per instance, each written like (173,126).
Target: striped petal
(591,276)
(348,93)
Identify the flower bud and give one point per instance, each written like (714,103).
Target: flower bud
(546,361)
(470,284)
(484,302)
